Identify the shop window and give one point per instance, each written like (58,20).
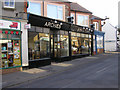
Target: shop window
(54,11)
(4,36)
(13,36)
(94,48)
(82,20)
(90,40)
(38,45)
(75,43)
(10,51)
(9,3)
(61,44)
(85,44)
(34,8)
(99,41)
(80,43)
(64,45)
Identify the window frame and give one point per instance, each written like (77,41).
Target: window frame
(9,5)
(84,15)
(63,8)
(41,7)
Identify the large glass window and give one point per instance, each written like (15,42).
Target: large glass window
(99,41)
(94,44)
(76,43)
(38,45)
(80,43)
(60,43)
(82,20)
(54,11)
(90,40)
(85,43)
(64,44)
(34,8)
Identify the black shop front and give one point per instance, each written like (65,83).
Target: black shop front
(51,40)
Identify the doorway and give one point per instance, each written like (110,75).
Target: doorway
(55,44)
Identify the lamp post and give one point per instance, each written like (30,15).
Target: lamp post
(92,32)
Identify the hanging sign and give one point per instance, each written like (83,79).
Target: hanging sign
(13,25)
(27,26)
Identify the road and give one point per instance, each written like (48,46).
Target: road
(102,73)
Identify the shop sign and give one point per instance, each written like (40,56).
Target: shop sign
(13,25)
(27,26)
(79,30)
(53,25)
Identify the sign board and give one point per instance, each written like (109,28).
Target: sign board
(53,25)
(27,26)
(13,25)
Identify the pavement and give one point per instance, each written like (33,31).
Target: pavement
(16,78)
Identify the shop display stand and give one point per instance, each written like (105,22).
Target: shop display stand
(10,55)
(4,55)
(16,56)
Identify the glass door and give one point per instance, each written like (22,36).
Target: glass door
(55,44)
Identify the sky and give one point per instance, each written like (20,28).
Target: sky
(102,8)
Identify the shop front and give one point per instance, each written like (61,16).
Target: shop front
(10,46)
(98,42)
(53,40)
(80,41)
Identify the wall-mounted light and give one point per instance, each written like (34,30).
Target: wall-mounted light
(83,27)
(61,23)
(55,21)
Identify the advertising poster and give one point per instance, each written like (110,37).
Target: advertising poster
(17,60)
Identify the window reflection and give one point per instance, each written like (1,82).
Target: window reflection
(38,45)
(99,41)
(82,20)
(54,11)
(64,45)
(61,45)
(34,8)
(80,43)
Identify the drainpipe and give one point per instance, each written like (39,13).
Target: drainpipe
(43,7)
(75,17)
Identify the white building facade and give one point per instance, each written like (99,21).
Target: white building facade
(110,36)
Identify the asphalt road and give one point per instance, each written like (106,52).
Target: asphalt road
(102,73)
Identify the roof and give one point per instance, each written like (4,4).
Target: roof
(54,0)
(77,7)
(97,18)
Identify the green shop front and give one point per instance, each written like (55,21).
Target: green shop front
(10,46)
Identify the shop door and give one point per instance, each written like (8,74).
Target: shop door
(55,44)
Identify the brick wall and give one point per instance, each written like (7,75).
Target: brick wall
(99,21)
(10,70)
